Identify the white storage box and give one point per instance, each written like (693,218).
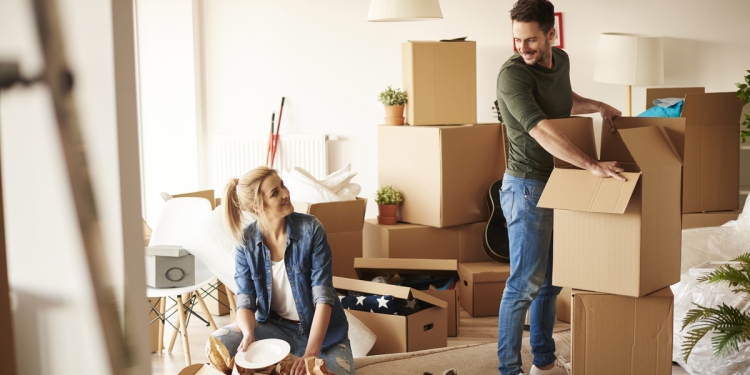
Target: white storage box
(169,266)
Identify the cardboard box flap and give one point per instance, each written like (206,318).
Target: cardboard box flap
(485,272)
(336,217)
(649,148)
(370,287)
(368,268)
(712,109)
(579,190)
(580,131)
(670,92)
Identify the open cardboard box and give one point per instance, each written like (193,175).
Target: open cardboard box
(369,268)
(708,219)
(425,329)
(403,240)
(613,236)
(342,222)
(481,287)
(709,147)
(443,172)
(618,335)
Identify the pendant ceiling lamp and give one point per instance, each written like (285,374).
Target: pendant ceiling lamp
(404,10)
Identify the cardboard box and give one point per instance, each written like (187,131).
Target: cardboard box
(564,305)
(426,329)
(613,236)
(708,219)
(369,268)
(342,222)
(443,172)
(481,287)
(207,194)
(618,335)
(201,369)
(440,79)
(709,150)
(403,240)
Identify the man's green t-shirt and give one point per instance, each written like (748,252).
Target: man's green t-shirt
(526,95)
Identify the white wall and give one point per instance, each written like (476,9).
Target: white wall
(330,63)
(55,320)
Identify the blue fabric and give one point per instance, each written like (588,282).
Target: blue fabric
(658,111)
(374,303)
(530,281)
(276,328)
(308,261)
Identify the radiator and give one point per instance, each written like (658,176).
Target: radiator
(232,156)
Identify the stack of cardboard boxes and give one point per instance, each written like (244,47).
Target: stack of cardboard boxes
(443,165)
(617,244)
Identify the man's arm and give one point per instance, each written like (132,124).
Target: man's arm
(557,143)
(583,105)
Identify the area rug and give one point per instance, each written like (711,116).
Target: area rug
(473,359)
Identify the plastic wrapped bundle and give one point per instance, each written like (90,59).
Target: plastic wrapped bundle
(702,360)
(728,241)
(335,187)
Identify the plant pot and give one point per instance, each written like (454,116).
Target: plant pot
(387,214)
(394,115)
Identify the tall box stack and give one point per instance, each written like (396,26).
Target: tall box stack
(709,150)
(617,244)
(442,164)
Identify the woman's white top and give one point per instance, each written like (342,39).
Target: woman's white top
(282,299)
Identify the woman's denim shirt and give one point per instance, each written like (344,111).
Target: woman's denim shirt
(308,266)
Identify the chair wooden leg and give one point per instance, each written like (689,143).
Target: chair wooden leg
(174,333)
(183,330)
(162,308)
(232,304)
(205,310)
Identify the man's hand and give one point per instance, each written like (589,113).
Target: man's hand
(608,169)
(298,368)
(246,341)
(608,114)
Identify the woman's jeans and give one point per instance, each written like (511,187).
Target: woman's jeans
(530,281)
(338,357)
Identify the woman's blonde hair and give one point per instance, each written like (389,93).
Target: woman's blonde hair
(241,195)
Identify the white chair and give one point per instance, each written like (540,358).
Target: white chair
(180,219)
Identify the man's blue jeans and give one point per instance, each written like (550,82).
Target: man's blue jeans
(530,281)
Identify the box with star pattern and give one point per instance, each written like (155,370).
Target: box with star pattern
(423,329)
(439,275)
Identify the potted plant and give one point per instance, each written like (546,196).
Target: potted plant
(743,92)
(730,325)
(388,200)
(394,101)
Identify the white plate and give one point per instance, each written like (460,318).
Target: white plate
(262,353)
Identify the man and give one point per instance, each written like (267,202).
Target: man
(533,87)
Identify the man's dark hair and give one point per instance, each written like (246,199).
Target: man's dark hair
(540,11)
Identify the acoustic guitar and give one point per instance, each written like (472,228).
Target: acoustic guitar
(496,242)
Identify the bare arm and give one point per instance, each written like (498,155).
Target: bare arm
(552,139)
(318,329)
(583,105)
(246,321)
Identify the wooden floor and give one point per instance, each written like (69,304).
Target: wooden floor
(472,330)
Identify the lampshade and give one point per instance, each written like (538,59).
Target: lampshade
(404,10)
(629,59)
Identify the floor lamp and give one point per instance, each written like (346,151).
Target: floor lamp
(629,59)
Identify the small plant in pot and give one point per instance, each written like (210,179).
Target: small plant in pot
(394,101)
(388,200)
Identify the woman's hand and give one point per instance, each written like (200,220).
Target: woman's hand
(246,341)
(298,368)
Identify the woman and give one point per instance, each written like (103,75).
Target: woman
(283,274)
